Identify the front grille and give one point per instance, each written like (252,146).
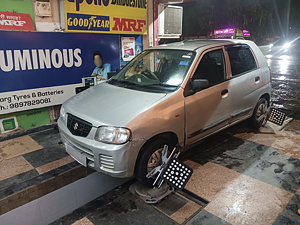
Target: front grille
(78,126)
(106,161)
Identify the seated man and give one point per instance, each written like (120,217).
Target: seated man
(101,69)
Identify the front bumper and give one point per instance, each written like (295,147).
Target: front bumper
(114,160)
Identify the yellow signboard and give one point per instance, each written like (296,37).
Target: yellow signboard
(106,16)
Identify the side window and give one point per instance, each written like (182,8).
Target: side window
(211,67)
(241,59)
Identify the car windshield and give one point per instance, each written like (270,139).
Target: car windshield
(155,71)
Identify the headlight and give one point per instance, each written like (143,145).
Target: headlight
(287,45)
(62,112)
(113,135)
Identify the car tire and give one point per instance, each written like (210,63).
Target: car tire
(260,113)
(150,157)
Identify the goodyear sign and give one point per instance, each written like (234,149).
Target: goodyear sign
(106,16)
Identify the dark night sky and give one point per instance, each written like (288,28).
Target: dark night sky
(263,18)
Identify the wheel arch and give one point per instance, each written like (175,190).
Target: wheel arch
(267,97)
(165,135)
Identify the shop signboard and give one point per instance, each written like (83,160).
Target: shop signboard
(18,6)
(106,16)
(40,69)
(15,21)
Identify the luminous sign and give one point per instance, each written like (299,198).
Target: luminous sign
(230,31)
(246,33)
(37,71)
(39,59)
(225,31)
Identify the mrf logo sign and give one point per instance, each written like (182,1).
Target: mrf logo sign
(15,21)
(106,16)
(121,24)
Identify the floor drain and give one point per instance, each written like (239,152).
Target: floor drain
(180,206)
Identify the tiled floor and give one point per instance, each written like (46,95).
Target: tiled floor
(17,147)
(33,165)
(247,177)
(240,199)
(252,177)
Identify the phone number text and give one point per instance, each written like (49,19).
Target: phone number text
(29,103)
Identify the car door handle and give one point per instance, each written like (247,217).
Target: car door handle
(257,79)
(224,93)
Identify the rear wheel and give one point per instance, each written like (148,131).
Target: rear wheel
(260,113)
(149,158)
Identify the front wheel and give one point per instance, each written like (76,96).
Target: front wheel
(260,113)
(149,158)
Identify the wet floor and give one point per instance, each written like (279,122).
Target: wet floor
(286,83)
(241,175)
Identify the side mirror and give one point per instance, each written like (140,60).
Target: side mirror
(199,84)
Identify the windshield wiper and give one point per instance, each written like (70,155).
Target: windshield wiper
(146,86)
(115,81)
(162,84)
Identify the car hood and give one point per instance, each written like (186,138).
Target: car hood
(106,104)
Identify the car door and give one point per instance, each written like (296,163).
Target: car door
(206,111)
(245,82)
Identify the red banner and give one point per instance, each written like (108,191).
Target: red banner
(15,21)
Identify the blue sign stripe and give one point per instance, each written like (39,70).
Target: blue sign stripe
(41,59)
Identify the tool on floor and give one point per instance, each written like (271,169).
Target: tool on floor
(172,175)
(276,116)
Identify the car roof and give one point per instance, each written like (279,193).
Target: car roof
(194,44)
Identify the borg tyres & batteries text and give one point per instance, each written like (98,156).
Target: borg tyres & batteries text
(35,98)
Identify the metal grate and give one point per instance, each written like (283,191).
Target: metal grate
(78,126)
(276,116)
(106,162)
(173,20)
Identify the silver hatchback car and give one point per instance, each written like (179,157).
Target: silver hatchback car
(174,94)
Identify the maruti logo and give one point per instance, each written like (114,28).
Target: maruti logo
(75,126)
(95,2)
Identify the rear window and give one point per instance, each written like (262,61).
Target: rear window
(241,59)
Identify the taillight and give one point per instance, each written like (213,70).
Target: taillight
(270,73)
